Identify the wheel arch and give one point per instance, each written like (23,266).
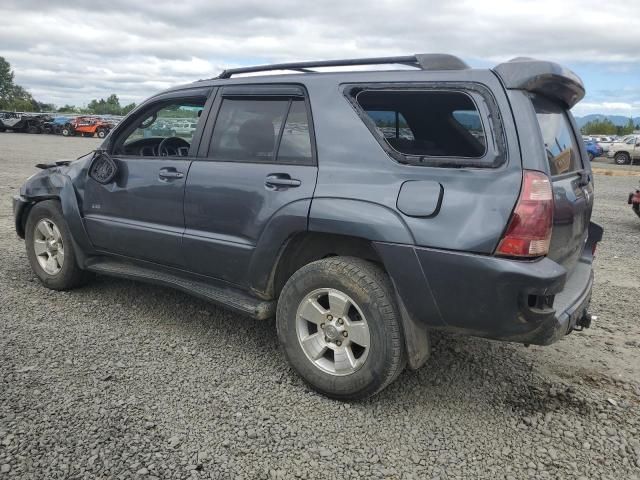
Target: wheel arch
(58,187)
(305,247)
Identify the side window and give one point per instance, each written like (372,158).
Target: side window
(262,130)
(166,130)
(295,145)
(247,129)
(426,123)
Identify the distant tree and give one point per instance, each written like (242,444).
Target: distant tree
(602,127)
(110,106)
(127,108)
(6,80)
(69,109)
(607,127)
(13,96)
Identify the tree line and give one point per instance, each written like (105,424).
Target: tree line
(607,127)
(14,97)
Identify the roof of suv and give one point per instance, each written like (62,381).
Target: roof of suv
(529,74)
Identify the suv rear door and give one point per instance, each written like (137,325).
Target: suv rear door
(253,179)
(571,179)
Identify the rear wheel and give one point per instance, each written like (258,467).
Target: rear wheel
(67,131)
(339,327)
(101,133)
(50,249)
(621,158)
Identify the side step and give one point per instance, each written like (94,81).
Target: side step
(225,296)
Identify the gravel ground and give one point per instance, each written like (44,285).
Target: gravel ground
(124,380)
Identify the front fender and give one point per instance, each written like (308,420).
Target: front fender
(55,184)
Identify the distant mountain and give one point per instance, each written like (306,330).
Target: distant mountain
(618,120)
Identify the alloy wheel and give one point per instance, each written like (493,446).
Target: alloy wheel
(48,246)
(332,331)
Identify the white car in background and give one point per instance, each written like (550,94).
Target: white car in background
(625,151)
(185,128)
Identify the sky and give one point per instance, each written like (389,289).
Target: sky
(71,52)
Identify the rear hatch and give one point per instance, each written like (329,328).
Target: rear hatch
(571,181)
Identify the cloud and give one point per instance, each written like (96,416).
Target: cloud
(73,51)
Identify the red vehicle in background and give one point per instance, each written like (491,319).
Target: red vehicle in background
(634,201)
(87,126)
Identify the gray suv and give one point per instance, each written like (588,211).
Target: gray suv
(362,209)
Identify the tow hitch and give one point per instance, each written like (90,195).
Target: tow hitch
(584,321)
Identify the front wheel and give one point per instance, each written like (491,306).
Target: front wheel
(591,156)
(67,131)
(621,158)
(339,327)
(101,133)
(50,249)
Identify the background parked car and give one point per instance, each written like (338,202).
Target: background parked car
(593,149)
(22,122)
(634,201)
(626,151)
(87,126)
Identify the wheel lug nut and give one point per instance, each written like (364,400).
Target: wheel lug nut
(338,343)
(345,334)
(322,326)
(329,317)
(340,321)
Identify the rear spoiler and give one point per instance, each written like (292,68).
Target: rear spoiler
(547,78)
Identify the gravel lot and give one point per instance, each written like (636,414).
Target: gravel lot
(125,380)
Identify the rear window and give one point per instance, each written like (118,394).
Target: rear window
(559,141)
(423,123)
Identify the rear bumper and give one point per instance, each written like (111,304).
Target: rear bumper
(536,302)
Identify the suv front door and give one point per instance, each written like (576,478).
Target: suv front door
(139,213)
(257,164)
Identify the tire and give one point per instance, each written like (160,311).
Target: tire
(621,158)
(101,133)
(330,284)
(591,156)
(67,131)
(64,273)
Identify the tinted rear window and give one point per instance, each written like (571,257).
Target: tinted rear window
(559,141)
(423,123)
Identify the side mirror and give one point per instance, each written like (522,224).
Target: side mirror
(103,168)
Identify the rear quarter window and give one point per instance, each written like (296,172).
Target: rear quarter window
(431,126)
(559,141)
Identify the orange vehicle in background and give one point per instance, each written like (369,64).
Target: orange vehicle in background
(87,127)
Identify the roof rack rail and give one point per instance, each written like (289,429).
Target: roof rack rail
(423,61)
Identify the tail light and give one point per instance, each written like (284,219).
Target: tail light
(529,231)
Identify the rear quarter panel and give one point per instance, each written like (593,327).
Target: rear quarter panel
(354,169)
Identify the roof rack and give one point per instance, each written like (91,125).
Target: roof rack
(423,61)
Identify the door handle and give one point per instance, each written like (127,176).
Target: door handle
(282,180)
(169,174)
